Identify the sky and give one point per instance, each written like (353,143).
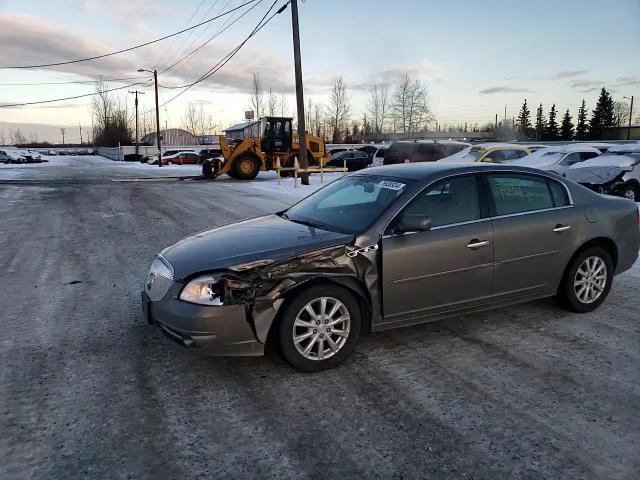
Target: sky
(477,57)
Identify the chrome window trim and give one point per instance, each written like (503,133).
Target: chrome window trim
(518,214)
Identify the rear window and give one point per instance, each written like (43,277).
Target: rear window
(381,153)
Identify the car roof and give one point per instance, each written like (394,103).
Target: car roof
(496,145)
(429,170)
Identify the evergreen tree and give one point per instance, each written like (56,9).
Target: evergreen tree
(525,128)
(541,123)
(602,116)
(552,132)
(581,126)
(566,129)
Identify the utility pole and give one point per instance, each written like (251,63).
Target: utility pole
(158,136)
(302,134)
(62,131)
(80,134)
(136,92)
(630,116)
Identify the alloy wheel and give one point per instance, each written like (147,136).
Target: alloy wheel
(321,328)
(590,279)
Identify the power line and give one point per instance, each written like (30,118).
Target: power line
(259,26)
(173,42)
(71,82)
(7,105)
(131,48)
(219,32)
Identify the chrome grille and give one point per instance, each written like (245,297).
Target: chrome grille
(159,279)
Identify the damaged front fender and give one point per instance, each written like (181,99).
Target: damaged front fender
(263,286)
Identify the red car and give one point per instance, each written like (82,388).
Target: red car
(181,158)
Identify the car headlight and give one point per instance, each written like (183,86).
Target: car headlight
(205,290)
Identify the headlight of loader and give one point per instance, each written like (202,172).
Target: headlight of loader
(203,291)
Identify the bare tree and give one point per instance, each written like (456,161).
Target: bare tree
(620,113)
(111,118)
(197,121)
(283,105)
(317,118)
(410,105)
(272,103)
(256,99)
(3,139)
(339,109)
(377,107)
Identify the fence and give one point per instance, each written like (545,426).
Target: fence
(118,153)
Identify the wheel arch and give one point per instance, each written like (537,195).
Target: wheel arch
(604,242)
(352,284)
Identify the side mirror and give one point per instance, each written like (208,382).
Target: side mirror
(415,223)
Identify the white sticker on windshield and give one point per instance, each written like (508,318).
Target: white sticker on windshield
(391,185)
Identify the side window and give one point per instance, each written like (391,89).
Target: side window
(516,193)
(496,156)
(559,193)
(587,155)
(571,159)
(449,201)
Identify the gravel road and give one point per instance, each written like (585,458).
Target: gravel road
(88,390)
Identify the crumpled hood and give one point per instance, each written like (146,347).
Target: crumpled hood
(596,175)
(264,238)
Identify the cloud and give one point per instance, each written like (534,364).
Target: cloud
(503,89)
(568,74)
(426,70)
(27,40)
(631,80)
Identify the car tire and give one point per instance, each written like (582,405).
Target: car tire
(587,281)
(324,348)
(245,167)
(631,192)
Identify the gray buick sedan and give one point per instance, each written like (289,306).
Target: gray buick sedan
(389,247)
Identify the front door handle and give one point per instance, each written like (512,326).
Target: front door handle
(475,243)
(561,228)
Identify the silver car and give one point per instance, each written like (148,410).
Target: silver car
(558,159)
(617,172)
(389,247)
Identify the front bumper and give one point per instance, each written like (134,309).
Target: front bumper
(207,330)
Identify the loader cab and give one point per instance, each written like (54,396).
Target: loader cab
(276,134)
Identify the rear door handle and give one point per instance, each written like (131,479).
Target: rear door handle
(561,228)
(473,244)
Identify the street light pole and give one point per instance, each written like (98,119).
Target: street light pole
(80,126)
(630,116)
(158,137)
(302,134)
(136,92)
(62,131)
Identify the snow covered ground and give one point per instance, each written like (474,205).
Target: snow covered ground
(89,166)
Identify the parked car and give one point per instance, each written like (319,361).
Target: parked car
(207,153)
(336,150)
(353,159)
(494,153)
(420,151)
(389,247)
(616,172)
(179,158)
(36,157)
(9,155)
(558,159)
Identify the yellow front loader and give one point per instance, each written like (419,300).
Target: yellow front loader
(243,159)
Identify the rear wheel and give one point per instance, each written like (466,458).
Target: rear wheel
(587,281)
(245,167)
(631,191)
(319,328)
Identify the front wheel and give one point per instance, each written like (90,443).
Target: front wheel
(319,328)
(587,281)
(246,167)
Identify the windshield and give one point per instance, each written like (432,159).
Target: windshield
(549,158)
(472,155)
(348,205)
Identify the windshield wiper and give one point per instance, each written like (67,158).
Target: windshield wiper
(306,223)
